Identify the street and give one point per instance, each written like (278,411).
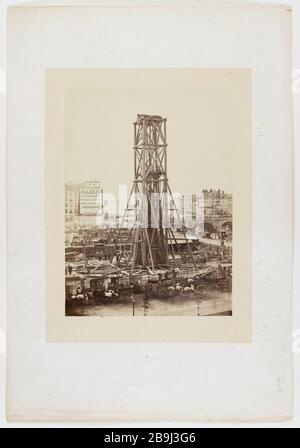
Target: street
(214,302)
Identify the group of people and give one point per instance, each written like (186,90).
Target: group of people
(69,269)
(80,294)
(182,288)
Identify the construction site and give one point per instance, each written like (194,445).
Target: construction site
(150,263)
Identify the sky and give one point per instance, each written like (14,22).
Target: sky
(99,118)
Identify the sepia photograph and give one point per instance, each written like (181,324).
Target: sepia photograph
(148,197)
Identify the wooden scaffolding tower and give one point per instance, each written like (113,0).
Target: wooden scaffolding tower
(151,235)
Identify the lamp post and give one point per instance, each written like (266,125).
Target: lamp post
(133,303)
(146,305)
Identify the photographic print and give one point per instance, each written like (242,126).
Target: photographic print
(148,204)
(148,198)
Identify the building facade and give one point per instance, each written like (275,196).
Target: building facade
(82,202)
(90,198)
(209,211)
(217,211)
(72,194)
(217,202)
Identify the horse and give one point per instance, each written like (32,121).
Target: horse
(178,287)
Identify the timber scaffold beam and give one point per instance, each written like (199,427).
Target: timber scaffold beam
(151,235)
